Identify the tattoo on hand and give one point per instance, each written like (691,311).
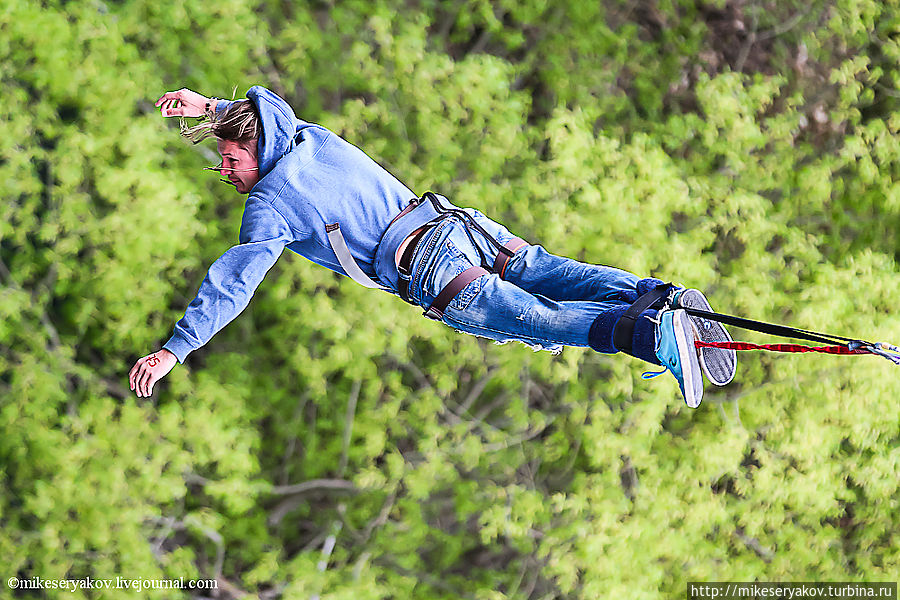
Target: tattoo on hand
(153,361)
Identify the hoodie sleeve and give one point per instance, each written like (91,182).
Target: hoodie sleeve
(233,278)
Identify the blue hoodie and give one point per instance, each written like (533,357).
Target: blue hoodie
(309,177)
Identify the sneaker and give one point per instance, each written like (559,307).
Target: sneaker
(676,351)
(718,364)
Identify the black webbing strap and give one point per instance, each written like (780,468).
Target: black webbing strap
(450,291)
(624,330)
(772,329)
(471,223)
(404,266)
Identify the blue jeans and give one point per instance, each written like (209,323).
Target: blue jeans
(544,300)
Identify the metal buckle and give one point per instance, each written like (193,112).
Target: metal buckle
(433,313)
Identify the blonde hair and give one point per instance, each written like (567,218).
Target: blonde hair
(237,123)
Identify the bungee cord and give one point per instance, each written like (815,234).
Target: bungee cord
(837,344)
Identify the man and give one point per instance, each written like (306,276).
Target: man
(322,197)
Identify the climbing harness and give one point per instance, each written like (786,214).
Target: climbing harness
(504,253)
(660,298)
(432,213)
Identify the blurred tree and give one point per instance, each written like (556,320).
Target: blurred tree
(746,148)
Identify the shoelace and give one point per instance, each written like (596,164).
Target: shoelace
(652,374)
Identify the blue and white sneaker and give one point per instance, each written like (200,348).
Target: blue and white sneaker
(718,364)
(676,351)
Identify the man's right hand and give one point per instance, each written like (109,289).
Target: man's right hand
(150,369)
(183,103)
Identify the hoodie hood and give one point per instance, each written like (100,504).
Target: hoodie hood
(279,128)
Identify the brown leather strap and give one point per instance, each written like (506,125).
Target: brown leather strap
(450,291)
(404,265)
(513,245)
(412,204)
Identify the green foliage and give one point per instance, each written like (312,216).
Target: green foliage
(747,149)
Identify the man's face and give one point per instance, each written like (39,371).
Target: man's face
(239,165)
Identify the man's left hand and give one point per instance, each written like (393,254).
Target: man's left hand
(183,103)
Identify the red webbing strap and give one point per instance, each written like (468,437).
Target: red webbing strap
(513,245)
(780,347)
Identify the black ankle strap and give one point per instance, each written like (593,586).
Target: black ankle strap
(623,334)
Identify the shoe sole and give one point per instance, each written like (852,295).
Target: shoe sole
(718,364)
(687,353)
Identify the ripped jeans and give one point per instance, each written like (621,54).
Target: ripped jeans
(545,301)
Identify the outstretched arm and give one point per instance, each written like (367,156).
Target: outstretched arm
(185,103)
(225,292)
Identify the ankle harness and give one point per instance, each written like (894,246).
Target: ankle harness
(623,333)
